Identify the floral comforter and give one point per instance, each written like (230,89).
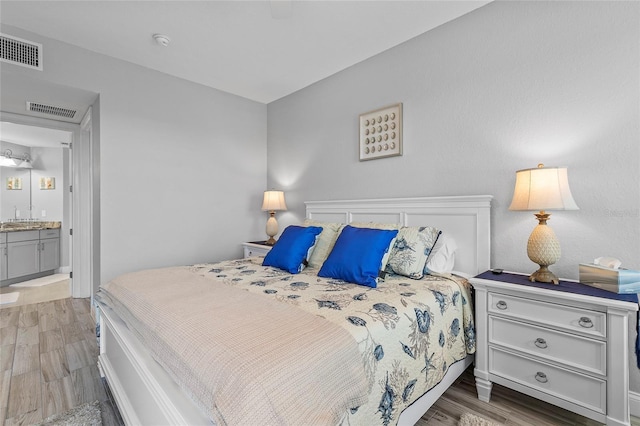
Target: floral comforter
(408,331)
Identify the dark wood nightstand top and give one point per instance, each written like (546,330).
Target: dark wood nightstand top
(564,286)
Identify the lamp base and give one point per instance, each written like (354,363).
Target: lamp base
(272,228)
(544,275)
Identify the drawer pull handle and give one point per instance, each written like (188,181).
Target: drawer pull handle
(502,305)
(585,322)
(541,343)
(541,377)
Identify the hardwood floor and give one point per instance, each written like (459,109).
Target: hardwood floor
(48,361)
(507,407)
(48,365)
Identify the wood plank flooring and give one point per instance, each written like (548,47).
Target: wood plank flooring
(48,361)
(507,407)
(48,364)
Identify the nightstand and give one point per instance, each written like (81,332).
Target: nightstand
(255,248)
(565,344)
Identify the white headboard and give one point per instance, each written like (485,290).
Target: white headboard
(466,218)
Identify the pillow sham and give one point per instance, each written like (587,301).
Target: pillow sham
(325,242)
(412,248)
(376,225)
(292,250)
(357,255)
(442,258)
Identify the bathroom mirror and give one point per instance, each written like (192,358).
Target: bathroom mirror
(34,201)
(15,202)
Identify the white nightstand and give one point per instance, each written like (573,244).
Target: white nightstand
(255,248)
(552,343)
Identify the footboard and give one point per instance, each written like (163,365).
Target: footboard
(143,391)
(145,394)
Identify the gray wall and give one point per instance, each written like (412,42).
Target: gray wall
(48,162)
(181,166)
(505,87)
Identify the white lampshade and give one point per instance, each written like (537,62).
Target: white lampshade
(7,161)
(25,164)
(542,188)
(273,201)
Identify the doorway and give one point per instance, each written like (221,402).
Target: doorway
(78,211)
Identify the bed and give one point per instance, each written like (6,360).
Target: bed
(379,371)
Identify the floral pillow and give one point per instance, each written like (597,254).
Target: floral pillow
(411,250)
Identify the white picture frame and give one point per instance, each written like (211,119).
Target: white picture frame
(381,133)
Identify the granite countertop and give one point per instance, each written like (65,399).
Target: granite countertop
(28,226)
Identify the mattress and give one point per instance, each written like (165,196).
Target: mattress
(375,350)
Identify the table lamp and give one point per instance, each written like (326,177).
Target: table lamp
(543,188)
(273,201)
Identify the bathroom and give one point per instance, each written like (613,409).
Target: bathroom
(35,202)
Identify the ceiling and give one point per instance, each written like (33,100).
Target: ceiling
(34,136)
(261,50)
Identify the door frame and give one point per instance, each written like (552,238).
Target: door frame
(82,214)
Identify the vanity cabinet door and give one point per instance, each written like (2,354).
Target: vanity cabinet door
(49,254)
(3,261)
(23,258)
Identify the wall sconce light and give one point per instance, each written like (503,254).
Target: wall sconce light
(7,159)
(26,162)
(272,202)
(543,188)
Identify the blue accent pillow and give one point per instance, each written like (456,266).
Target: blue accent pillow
(293,248)
(357,255)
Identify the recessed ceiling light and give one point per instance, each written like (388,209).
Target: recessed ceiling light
(162,39)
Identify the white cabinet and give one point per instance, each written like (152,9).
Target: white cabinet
(3,256)
(257,248)
(23,253)
(49,249)
(27,253)
(555,344)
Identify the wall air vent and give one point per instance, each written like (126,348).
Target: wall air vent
(51,110)
(17,51)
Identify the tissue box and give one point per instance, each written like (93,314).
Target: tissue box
(621,281)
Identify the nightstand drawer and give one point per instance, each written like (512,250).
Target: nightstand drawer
(581,389)
(569,349)
(254,249)
(565,317)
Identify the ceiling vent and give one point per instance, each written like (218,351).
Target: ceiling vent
(21,52)
(51,110)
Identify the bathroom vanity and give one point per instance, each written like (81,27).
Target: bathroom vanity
(28,251)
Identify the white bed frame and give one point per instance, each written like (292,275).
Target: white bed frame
(146,394)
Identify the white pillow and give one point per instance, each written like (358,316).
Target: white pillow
(325,241)
(442,257)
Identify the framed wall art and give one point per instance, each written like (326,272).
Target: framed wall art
(47,183)
(14,183)
(381,133)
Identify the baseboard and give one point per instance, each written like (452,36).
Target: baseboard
(64,270)
(634,403)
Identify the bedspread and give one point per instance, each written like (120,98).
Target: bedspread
(242,358)
(406,333)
